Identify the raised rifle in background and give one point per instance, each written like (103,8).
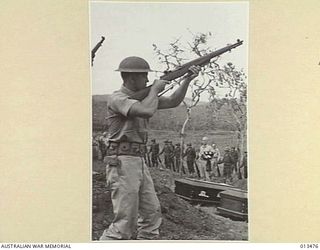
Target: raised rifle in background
(95,49)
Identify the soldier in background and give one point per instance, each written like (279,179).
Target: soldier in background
(154,150)
(171,145)
(103,141)
(244,165)
(235,158)
(190,153)
(205,156)
(215,159)
(177,157)
(172,163)
(227,161)
(166,150)
(96,154)
(146,156)
(196,163)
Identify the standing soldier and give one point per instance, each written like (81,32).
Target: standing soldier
(154,150)
(235,158)
(172,163)
(197,163)
(191,156)
(103,141)
(244,165)
(177,156)
(205,156)
(227,161)
(96,154)
(134,200)
(215,159)
(146,156)
(167,154)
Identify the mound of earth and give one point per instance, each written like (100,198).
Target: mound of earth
(181,220)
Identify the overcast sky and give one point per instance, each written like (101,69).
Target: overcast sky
(131,29)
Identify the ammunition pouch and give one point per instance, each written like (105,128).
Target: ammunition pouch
(126,148)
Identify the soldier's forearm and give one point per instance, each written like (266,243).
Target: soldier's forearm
(180,93)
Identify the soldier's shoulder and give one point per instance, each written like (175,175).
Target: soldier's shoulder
(118,94)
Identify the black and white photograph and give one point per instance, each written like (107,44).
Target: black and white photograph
(169,121)
(146,122)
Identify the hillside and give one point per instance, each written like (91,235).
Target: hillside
(202,117)
(180,219)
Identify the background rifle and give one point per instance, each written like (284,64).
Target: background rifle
(183,69)
(95,49)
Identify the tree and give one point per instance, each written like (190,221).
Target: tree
(212,77)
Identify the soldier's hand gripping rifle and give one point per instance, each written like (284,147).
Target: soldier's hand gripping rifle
(183,69)
(95,49)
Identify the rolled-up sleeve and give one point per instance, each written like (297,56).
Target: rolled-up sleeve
(121,104)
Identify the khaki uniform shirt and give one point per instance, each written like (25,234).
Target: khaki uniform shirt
(121,127)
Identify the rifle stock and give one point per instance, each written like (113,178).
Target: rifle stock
(183,69)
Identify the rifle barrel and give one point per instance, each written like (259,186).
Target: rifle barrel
(198,61)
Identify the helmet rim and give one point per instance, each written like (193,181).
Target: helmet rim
(134,64)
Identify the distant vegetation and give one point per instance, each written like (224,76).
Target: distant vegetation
(202,117)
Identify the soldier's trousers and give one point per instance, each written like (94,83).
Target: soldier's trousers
(154,160)
(167,161)
(177,165)
(204,174)
(134,199)
(190,164)
(172,164)
(215,166)
(227,170)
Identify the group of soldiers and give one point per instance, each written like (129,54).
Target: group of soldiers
(204,163)
(172,156)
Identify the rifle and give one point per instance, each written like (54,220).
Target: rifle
(95,49)
(183,69)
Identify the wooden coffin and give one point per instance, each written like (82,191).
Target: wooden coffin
(199,191)
(234,204)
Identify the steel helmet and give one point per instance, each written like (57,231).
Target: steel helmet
(134,64)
